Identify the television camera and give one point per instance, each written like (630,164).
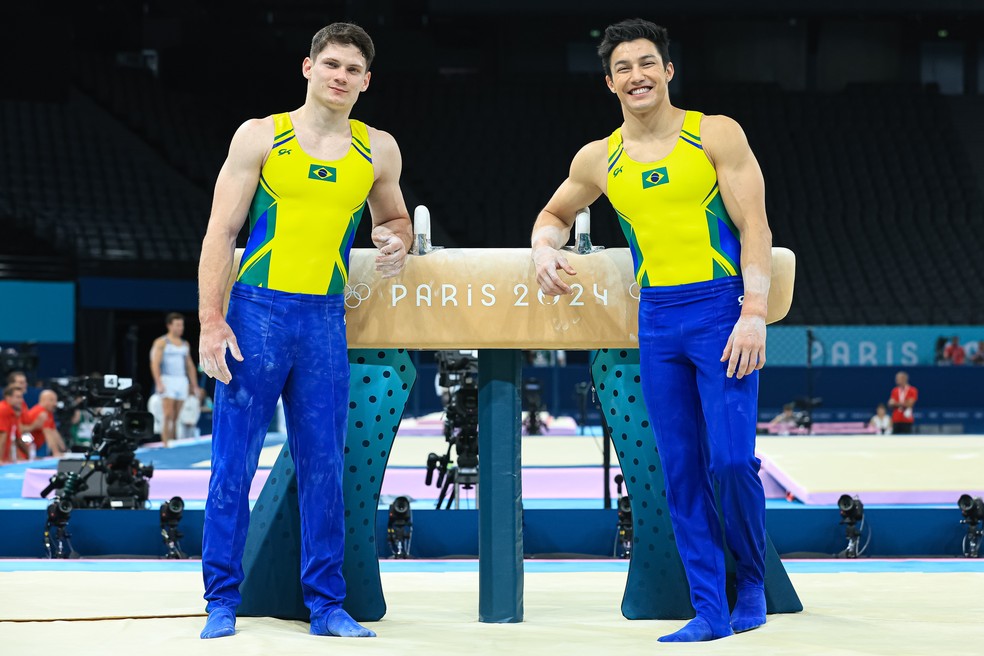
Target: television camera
(118,429)
(458,379)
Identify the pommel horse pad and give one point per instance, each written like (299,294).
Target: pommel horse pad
(484,298)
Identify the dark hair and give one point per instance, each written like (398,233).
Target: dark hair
(14,374)
(630,30)
(172,316)
(346,34)
(10,390)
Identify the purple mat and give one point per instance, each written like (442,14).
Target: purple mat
(438,431)
(538,483)
(773,489)
(166,483)
(562,427)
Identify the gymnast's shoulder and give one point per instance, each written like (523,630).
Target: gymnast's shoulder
(590,160)
(721,130)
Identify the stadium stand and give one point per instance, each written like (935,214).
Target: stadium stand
(870,187)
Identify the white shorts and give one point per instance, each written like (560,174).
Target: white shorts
(175,387)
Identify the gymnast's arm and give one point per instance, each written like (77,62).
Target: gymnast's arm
(234,191)
(552,229)
(156,353)
(391,230)
(743,191)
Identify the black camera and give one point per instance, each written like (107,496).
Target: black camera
(118,430)
(457,373)
(533,405)
(399,527)
(624,533)
(171,513)
(458,377)
(972,509)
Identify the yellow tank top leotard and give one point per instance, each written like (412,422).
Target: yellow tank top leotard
(672,213)
(304,215)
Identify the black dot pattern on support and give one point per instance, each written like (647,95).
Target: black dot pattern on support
(654,589)
(273,546)
(379,389)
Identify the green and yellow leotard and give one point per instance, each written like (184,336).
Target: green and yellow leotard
(304,215)
(672,213)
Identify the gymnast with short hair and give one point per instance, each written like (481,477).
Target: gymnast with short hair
(690,198)
(303,178)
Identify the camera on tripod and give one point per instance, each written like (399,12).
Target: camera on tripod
(110,476)
(457,377)
(803,408)
(624,532)
(117,432)
(533,405)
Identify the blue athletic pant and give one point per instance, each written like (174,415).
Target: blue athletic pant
(293,345)
(704,424)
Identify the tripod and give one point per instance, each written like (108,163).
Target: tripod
(59,545)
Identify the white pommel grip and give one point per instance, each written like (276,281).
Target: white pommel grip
(582,223)
(422,231)
(422,221)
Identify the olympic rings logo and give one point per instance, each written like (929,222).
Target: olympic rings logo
(359,293)
(638,294)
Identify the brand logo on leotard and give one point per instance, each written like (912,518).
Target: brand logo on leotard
(616,172)
(283,151)
(654,177)
(324,173)
(741,299)
(354,296)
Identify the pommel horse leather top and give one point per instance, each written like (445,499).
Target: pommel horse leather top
(488,298)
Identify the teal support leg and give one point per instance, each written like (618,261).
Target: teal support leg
(657,587)
(379,389)
(500,488)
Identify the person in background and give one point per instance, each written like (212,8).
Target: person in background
(954,353)
(881,421)
(19,378)
(902,401)
(785,421)
(13,426)
(974,352)
(174,373)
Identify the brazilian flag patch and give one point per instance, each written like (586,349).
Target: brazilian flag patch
(322,172)
(654,177)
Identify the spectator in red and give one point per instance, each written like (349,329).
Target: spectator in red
(19,378)
(954,353)
(12,423)
(40,421)
(902,400)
